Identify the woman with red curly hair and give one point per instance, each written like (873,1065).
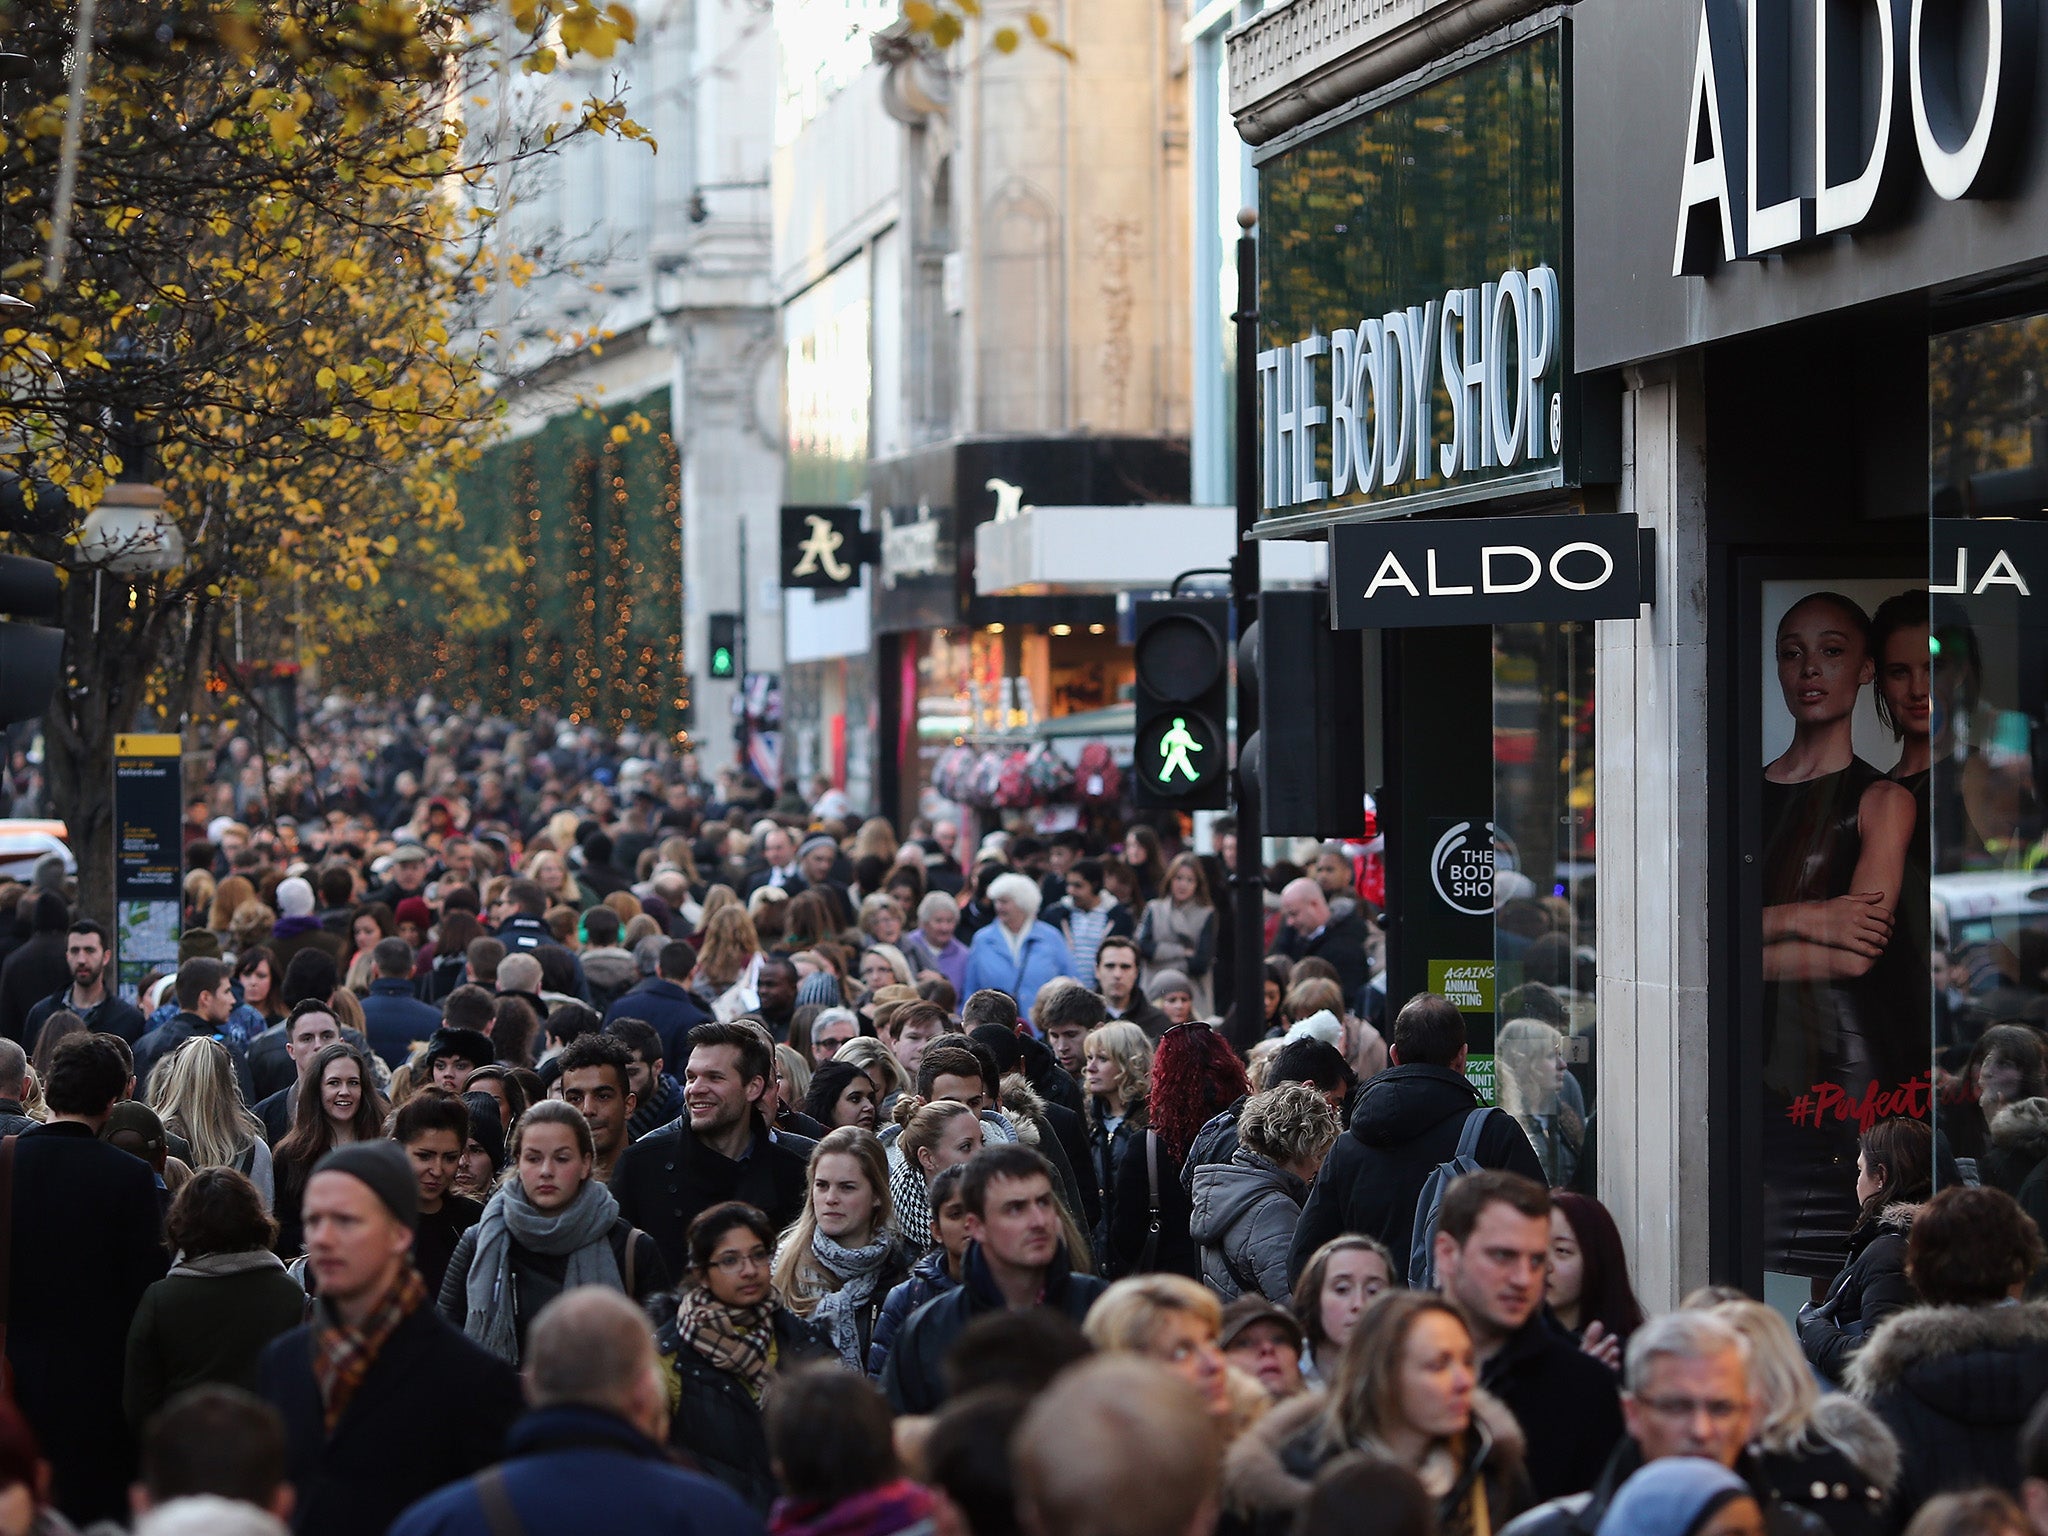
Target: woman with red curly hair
(1195,1076)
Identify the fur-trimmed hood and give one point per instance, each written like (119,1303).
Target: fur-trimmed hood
(1973,1365)
(1858,1434)
(1026,1110)
(1256,1475)
(2020,1131)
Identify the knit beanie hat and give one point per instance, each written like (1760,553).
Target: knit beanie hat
(1671,1497)
(1163,982)
(294,898)
(821,988)
(415,911)
(384,1167)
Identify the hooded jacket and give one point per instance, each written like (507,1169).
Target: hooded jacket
(1954,1385)
(928,1278)
(1243,1221)
(1270,1470)
(612,972)
(1871,1287)
(1407,1121)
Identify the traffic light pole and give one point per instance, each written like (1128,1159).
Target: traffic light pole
(1247,881)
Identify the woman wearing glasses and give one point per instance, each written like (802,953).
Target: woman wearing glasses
(730,1335)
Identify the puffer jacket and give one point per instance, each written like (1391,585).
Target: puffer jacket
(1270,1470)
(1954,1385)
(714,1422)
(1243,1220)
(1870,1288)
(929,1277)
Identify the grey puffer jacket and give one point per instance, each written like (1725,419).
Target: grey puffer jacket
(1243,1220)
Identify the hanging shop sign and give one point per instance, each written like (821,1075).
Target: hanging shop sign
(1947,88)
(1413,260)
(1495,570)
(823,548)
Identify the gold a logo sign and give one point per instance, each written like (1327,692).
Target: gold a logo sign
(821,551)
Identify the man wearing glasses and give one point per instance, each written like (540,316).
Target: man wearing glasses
(1687,1394)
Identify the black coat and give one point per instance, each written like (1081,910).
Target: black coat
(114,1016)
(1954,1385)
(433,1408)
(1343,943)
(166,1038)
(30,974)
(192,1329)
(714,1423)
(1870,1288)
(1128,1217)
(672,1012)
(1408,1120)
(87,1242)
(1565,1401)
(912,1376)
(537,1277)
(1580,1514)
(663,1182)
(1842,1472)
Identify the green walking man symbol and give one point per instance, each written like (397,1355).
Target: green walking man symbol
(1174,748)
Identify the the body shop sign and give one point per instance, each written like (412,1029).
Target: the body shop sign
(1413,302)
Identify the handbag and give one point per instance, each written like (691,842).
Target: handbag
(741,997)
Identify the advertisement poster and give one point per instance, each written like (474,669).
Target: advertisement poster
(1846,708)
(148,856)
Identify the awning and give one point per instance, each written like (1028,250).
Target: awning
(1113,549)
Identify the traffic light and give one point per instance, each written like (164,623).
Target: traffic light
(1308,763)
(725,645)
(1182,701)
(30,654)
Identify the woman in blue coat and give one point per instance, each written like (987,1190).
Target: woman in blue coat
(1017,953)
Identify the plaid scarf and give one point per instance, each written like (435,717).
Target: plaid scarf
(342,1356)
(734,1339)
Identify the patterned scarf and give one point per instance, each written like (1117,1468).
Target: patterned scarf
(859,1273)
(734,1339)
(342,1355)
(893,1509)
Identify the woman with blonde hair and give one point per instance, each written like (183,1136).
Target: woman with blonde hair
(875,839)
(883,965)
(550,871)
(1179,1324)
(716,899)
(837,1264)
(728,960)
(194,1093)
(874,1057)
(1826,1453)
(793,1073)
(250,925)
(881,920)
(199,890)
(228,897)
(1116,1076)
(1406,1393)
(1530,1076)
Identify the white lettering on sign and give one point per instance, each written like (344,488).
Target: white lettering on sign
(910,546)
(1999,571)
(1491,347)
(1966,75)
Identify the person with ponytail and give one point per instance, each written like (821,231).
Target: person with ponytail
(549,1228)
(932,1137)
(843,1256)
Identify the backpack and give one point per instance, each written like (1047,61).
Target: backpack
(1429,1204)
(1098,779)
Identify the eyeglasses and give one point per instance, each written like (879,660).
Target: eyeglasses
(1719,1409)
(733,1263)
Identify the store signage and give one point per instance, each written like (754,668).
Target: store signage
(1486,350)
(1461,867)
(1466,984)
(1985,556)
(1496,570)
(149,855)
(912,544)
(1961,72)
(823,548)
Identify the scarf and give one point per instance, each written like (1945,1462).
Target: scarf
(859,1273)
(210,1266)
(342,1356)
(736,1340)
(581,1229)
(894,1509)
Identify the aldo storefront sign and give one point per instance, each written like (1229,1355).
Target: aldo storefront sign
(1484,571)
(1414,298)
(1885,87)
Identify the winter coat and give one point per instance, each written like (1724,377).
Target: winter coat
(160,1042)
(665,1180)
(664,1103)
(1870,1288)
(396,1020)
(432,1408)
(928,1278)
(1243,1218)
(670,1009)
(612,971)
(1842,1472)
(1343,943)
(1044,956)
(897,1269)
(1407,1121)
(714,1422)
(950,961)
(572,1468)
(1580,1514)
(1268,1473)
(1127,1210)
(76,1286)
(194,1328)
(1954,1385)
(1565,1401)
(114,1016)
(911,1376)
(537,1277)
(31,973)
(1180,937)
(2019,1143)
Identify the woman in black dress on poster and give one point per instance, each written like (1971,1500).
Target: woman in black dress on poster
(1836,837)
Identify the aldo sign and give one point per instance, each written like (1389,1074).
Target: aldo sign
(1492,570)
(1887,87)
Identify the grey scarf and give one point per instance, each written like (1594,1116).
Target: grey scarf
(209,1266)
(859,1272)
(581,1229)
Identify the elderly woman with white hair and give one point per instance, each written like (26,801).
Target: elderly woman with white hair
(933,945)
(1017,953)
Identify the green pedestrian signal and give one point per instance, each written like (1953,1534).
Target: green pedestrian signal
(1174,748)
(1181,702)
(725,640)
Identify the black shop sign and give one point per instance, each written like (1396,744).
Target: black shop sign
(823,548)
(1490,570)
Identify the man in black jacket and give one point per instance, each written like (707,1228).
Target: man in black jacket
(1408,1120)
(661,1001)
(382,1401)
(206,996)
(1015,1259)
(720,1150)
(520,913)
(1492,1257)
(85,1242)
(1312,929)
(1116,978)
(91,994)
